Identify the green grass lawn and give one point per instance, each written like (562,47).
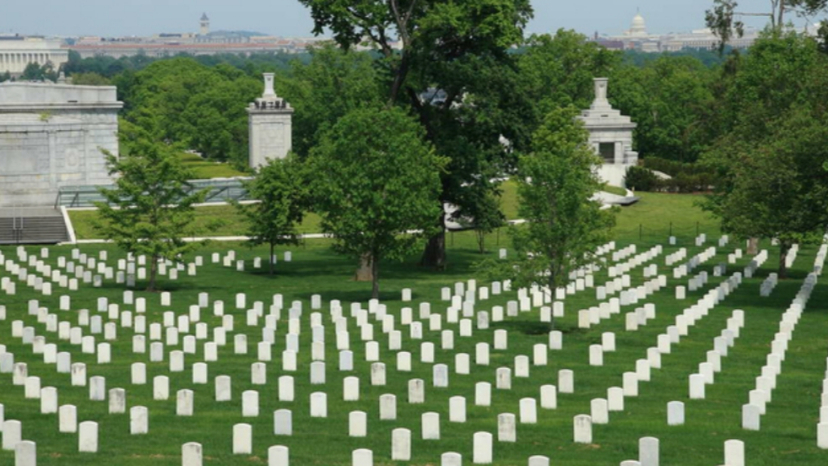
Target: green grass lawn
(788,435)
(206,169)
(653,218)
(230,222)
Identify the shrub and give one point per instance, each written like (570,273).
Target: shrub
(642,179)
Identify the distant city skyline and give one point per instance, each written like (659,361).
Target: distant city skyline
(289,18)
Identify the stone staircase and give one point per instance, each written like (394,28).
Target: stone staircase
(32,226)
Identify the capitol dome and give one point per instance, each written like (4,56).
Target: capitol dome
(639,27)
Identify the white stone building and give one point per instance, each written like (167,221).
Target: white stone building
(51,136)
(610,135)
(637,38)
(270,123)
(17,52)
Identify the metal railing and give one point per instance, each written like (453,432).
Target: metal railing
(221,190)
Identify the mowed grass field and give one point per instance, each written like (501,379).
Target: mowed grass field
(788,435)
(654,218)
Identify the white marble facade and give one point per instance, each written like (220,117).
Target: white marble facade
(610,135)
(18,52)
(51,135)
(270,123)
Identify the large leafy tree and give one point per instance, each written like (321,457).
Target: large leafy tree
(182,101)
(669,99)
(774,191)
(150,209)
(280,194)
(564,225)
(459,48)
(331,84)
(558,71)
(765,158)
(375,181)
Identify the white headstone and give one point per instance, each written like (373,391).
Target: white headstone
(430,426)
(138,420)
(388,407)
(318,404)
(582,428)
(88,437)
(482,449)
(191,454)
(734,453)
(283,422)
(362,457)
(25,453)
(506,428)
(242,439)
(675,413)
(68,419)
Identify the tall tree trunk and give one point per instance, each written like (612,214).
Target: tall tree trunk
(153,273)
(753,246)
(399,79)
(366,270)
(271,258)
(435,251)
(779,23)
(375,277)
(784,247)
(551,285)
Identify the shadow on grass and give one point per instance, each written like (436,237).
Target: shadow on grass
(535,328)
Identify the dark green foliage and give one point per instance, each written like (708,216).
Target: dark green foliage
(708,58)
(558,70)
(150,209)
(564,226)
(460,48)
(89,79)
(182,101)
(375,179)
(642,179)
(325,88)
(35,72)
(109,67)
(281,191)
(668,99)
(767,184)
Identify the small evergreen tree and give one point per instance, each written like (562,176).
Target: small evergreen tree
(150,210)
(279,190)
(564,226)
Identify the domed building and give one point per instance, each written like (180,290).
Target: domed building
(638,27)
(637,37)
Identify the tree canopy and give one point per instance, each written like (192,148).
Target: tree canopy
(564,225)
(765,158)
(150,209)
(375,184)
(458,49)
(281,194)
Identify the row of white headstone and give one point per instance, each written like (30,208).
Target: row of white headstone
(522,403)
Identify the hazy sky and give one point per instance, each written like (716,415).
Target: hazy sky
(290,18)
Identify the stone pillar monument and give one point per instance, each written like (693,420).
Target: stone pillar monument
(610,135)
(270,126)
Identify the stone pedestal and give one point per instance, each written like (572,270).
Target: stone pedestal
(269,122)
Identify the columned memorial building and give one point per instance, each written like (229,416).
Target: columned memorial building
(610,135)
(51,136)
(17,52)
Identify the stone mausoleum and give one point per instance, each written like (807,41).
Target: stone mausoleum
(269,120)
(610,135)
(51,136)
